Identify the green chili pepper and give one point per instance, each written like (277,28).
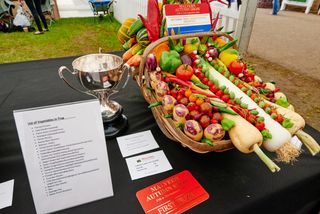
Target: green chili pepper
(254,112)
(155,104)
(198,82)
(162,27)
(207,141)
(228,111)
(228,45)
(168,116)
(227,124)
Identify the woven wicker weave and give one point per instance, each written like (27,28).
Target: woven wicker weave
(166,125)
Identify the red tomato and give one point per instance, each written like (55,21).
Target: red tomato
(179,97)
(225,98)
(251,118)
(219,93)
(174,92)
(191,106)
(205,80)
(260,126)
(213,88)
(279,118)
(201,75)
(236,67)
(184,72)
(210,83)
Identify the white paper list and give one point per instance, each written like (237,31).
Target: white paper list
(65,154)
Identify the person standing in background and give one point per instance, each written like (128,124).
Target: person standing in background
(35,8)
(275,7)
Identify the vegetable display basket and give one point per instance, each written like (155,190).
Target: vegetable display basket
(167,125)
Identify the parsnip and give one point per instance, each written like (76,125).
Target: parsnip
(246,138)
(243,135)
(296,129)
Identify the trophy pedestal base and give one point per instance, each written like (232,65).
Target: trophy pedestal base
(115,127)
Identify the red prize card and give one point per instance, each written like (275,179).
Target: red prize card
(175,194)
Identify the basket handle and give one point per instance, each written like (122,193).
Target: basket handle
(164,39)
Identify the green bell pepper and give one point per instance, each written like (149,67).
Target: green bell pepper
(170,61)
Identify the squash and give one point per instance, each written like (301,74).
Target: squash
(135,27)
(122,32)
(142,37)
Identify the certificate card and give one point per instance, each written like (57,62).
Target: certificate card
(65,154)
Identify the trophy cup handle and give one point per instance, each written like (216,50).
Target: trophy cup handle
(64,68)
(129,73)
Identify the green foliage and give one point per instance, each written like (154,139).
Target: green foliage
(67,37)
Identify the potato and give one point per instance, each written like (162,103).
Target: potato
(193,130)
(214,132)
(180,112)
(168,103)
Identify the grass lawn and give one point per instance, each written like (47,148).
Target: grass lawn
(67,37)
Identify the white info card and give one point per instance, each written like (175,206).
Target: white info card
(136,143)
(6,194)
(65,153)
(148,164)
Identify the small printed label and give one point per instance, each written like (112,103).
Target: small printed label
(296,142)
(188,18)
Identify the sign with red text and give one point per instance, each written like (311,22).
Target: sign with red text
(189,18)
(175,194)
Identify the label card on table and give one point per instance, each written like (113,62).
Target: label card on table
(65,154)
(6,194)
(136,143)
(148,164)
(175,194)
(190,18)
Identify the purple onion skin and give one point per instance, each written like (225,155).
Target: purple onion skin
(213,52)
(186,59)
(151,62)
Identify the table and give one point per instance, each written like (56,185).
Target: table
(236,182)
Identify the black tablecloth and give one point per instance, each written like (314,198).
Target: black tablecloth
(236,182)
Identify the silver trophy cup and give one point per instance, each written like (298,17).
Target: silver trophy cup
(102,75)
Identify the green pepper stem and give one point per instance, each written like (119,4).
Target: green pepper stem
(270,164)
(309,142)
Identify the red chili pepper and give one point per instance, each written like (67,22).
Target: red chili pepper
(214,24)
(180,82)
(153,21)
(203,93)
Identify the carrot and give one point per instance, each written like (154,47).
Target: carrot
(135,60)
(157,51)
(129,53)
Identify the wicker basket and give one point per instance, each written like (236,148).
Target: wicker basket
(166,125)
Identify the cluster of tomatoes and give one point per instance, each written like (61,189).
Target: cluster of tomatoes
(199,106)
